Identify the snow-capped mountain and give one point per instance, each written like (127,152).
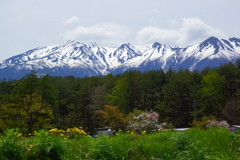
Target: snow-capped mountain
(81,59)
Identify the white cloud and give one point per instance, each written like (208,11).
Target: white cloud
(151,34)
(72,20)
(195,30)
(192,31)
(104,34)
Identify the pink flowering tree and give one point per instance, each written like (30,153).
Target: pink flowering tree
(144,122)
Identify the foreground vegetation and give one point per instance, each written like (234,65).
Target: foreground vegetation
(75,144)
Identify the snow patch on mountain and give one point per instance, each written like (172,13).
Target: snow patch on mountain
(85,59)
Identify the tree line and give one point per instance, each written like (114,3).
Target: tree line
(33,102)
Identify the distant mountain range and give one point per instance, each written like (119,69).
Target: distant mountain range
(81,59)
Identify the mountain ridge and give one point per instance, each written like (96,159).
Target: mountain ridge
(90,59)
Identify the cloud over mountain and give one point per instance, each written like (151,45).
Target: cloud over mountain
(72,20)
(192,31)
(103,33)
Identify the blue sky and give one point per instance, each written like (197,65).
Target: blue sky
(27,24)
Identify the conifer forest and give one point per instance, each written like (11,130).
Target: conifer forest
(179,97)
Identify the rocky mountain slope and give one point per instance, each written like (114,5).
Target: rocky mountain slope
(81,59)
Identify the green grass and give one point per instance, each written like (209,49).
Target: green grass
(193,144)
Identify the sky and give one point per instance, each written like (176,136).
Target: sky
(27,24)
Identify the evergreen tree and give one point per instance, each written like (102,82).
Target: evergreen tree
(211,94)
(178,98)
(30,100)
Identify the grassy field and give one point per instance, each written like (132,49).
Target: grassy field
(193,144)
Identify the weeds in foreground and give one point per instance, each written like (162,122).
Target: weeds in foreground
(10,147)
(193,144)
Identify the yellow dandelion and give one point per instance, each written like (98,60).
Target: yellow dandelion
(19,135)
(53,130)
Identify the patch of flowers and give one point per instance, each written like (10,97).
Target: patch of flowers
(144,122)
(29,147)
(68,133)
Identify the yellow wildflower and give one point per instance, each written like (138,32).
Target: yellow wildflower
(61,131)
(19,135)
(53,130)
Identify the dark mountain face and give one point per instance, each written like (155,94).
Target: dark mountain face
(80,59)
(156,44)
(212,41)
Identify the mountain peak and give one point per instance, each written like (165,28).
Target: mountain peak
(125,45)
(93,44)
(210,41)
(71,41)
(90,59)
(156,44)
(234,39)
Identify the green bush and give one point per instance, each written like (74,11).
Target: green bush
(47,147)
(10,148)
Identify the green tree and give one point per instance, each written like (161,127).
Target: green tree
(211,94)
(120,95)
(178,99)
(127,93)
(230,72)
(6,87)
(30,97)
(79,109)
(64,87)
(151,88)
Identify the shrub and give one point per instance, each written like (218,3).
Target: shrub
(48,147)
(146,121)
(210,121)
(10,148)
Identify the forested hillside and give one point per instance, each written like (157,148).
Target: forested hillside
(36,102)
